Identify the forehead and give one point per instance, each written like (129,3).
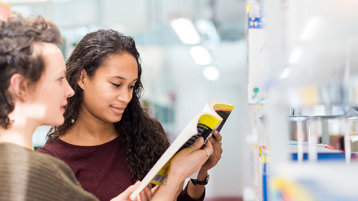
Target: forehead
(123,64)
(52,57)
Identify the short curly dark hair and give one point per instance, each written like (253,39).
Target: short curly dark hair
(17,38)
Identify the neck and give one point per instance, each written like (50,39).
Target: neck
(89,130)
(19,135)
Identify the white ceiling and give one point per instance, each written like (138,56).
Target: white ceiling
(147,20)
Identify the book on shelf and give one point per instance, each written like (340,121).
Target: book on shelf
(212,117)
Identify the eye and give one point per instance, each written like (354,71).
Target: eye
(132,87)
(61,78)
(116,85)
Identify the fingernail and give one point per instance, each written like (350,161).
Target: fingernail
(208,153)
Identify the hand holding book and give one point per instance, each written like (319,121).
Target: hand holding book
(145,195)
(217,151)
(182,165)
(194,155)
(211,118)
(196,187)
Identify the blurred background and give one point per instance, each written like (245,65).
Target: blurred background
(191,51)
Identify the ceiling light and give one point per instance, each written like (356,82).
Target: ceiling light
(311,28)
(207,29)
(295,55)
(186,31)
(211,73)
(285,73)
(201,55)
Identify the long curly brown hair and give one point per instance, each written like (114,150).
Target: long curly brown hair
(17,38)
(141,135)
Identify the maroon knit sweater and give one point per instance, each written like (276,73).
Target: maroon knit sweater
(114,176)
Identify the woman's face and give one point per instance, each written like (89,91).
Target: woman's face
(50,93)
(107,94)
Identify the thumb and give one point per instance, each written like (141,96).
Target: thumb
(129,190)
(155,189)
(198,143)
(209,148)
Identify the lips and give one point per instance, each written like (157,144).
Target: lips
(63,107)
(118,110)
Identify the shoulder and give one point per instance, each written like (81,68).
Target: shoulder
(58,176)
(51,147)
(48,167)
(51,163)
(158,126)
(50,178)
(161,135)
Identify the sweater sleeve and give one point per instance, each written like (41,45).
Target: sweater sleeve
(32,176)
(184,196)
(58,177)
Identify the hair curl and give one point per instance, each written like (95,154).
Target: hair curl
(17,38)
(141,135)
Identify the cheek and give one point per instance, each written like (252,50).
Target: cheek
(97,98)
(106,93)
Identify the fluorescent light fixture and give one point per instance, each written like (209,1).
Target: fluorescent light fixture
(208,30)
(310,29)
(186,31)
(285,73)
(295,55)
(211,73)
(201,55)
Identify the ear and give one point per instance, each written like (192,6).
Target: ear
(81,81)
(19,87)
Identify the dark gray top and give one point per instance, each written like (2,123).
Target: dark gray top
(33,176)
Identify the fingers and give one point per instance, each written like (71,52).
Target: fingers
(130,189)
(154,190)
(148,193)
(149,185)
(188,161)
(217,150)
(141,196)
(217,146)
(145,195)
(217,154)
(217,143)
(208,148)
(217,136)
(125,194)
(198,143)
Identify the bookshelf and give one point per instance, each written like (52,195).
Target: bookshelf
(305,129)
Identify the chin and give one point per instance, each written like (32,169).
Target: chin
(115,119)
(57,122)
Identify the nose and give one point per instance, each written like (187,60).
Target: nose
(69,91)
(125,95)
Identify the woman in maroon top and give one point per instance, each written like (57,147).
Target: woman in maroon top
(107,138)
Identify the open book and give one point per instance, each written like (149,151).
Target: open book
(212,117)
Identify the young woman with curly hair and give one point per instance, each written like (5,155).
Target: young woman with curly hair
(107,138)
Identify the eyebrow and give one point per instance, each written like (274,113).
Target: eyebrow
(119,77)
(122,78)
(62,72)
